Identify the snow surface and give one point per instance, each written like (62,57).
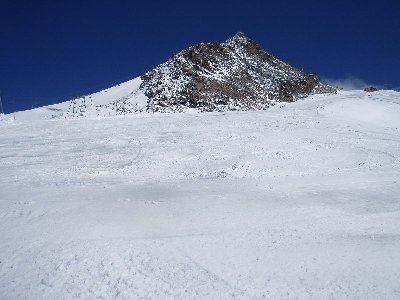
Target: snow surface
(300,201)
(116,100)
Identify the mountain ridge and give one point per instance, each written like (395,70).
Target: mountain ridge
(237,74)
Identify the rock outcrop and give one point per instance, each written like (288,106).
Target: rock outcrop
(234,75)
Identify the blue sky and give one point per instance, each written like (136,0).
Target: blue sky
(51,51)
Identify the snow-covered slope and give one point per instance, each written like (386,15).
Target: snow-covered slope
(118,100)
(300,201)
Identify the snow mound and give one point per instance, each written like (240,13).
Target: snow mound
(375,109)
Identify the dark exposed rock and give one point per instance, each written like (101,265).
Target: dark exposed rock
(234,75)
(370,89)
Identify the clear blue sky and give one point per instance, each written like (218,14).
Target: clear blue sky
(53,50)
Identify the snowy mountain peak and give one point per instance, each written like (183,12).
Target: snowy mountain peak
(237,74)
(240,38)
(234,75)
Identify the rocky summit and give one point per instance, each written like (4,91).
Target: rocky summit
(237,74)
(234,75)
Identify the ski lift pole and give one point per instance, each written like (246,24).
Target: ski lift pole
(1,105)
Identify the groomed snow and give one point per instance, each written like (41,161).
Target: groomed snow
(300,201)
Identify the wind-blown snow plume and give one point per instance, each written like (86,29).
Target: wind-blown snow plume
(347,83)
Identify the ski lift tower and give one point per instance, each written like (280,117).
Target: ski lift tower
(1,105)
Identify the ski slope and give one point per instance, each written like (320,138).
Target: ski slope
(116,100)
(300,201)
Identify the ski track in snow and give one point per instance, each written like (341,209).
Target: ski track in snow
(300,201)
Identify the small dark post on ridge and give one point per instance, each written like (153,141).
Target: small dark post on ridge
(1,105)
